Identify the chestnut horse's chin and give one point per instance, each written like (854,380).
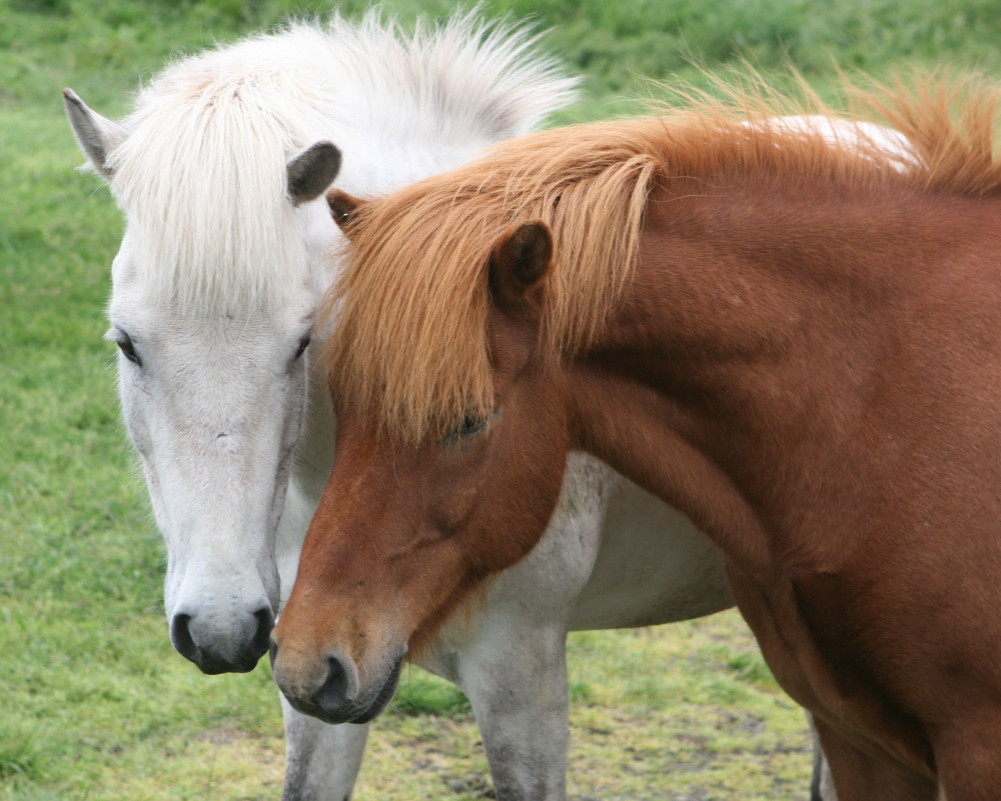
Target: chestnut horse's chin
(384,696)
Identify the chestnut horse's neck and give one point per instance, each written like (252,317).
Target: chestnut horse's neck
(768,345)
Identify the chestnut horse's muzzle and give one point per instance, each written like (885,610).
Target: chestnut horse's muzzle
(337,696)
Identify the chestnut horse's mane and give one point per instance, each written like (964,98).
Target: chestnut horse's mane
(410,344)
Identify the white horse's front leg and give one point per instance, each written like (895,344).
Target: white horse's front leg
(508,651)
(322,761)
(516,680)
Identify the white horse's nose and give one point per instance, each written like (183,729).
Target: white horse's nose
(217,646)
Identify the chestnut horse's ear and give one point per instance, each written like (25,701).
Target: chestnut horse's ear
(343,206)
(518,263)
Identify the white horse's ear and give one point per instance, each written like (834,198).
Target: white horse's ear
(312,172)
(97,135)
(343,206)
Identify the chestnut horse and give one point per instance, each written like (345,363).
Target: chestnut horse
(796,343)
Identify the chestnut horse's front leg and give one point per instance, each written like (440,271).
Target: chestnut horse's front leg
(860,777)
(821,782)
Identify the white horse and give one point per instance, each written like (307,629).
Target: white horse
(220,171)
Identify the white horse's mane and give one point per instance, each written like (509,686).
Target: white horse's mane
(202,173)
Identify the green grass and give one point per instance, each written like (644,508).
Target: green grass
(94,703)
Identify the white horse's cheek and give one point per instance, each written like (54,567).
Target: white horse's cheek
(136,424)
(295,406)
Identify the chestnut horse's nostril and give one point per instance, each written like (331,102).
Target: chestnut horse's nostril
(334,694)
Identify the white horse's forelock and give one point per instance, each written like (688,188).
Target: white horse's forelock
(202,173)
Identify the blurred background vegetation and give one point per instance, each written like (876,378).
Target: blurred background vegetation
(107,46)
(94,703)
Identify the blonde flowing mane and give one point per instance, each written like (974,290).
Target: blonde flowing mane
(411,345)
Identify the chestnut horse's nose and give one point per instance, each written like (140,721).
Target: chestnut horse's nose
(238,655)
(329,696)
(337,691)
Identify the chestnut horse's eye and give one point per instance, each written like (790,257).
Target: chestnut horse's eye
(471,426)
(124,342)
(303,344)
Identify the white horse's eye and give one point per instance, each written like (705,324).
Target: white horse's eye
(303,344)
(124,342)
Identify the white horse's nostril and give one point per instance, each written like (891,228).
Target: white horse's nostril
(180,635)
(235,649)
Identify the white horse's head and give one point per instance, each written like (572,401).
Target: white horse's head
(220,171)
(213,366)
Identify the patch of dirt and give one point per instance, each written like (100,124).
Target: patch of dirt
(221,735)
(472,784)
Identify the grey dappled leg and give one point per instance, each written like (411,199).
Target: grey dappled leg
(322,761)
(508,654)
(518,690)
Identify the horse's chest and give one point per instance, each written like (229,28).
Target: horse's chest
(818,653)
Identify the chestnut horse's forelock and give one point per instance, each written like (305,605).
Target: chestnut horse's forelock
(592,191)
(411,342)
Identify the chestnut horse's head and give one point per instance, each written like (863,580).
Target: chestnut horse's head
(406,529)
(445,376)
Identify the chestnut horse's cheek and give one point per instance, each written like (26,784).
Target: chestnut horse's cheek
(519,518)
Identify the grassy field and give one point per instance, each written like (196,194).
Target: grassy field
(94,703)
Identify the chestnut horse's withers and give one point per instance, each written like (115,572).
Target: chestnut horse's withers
(795,343)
